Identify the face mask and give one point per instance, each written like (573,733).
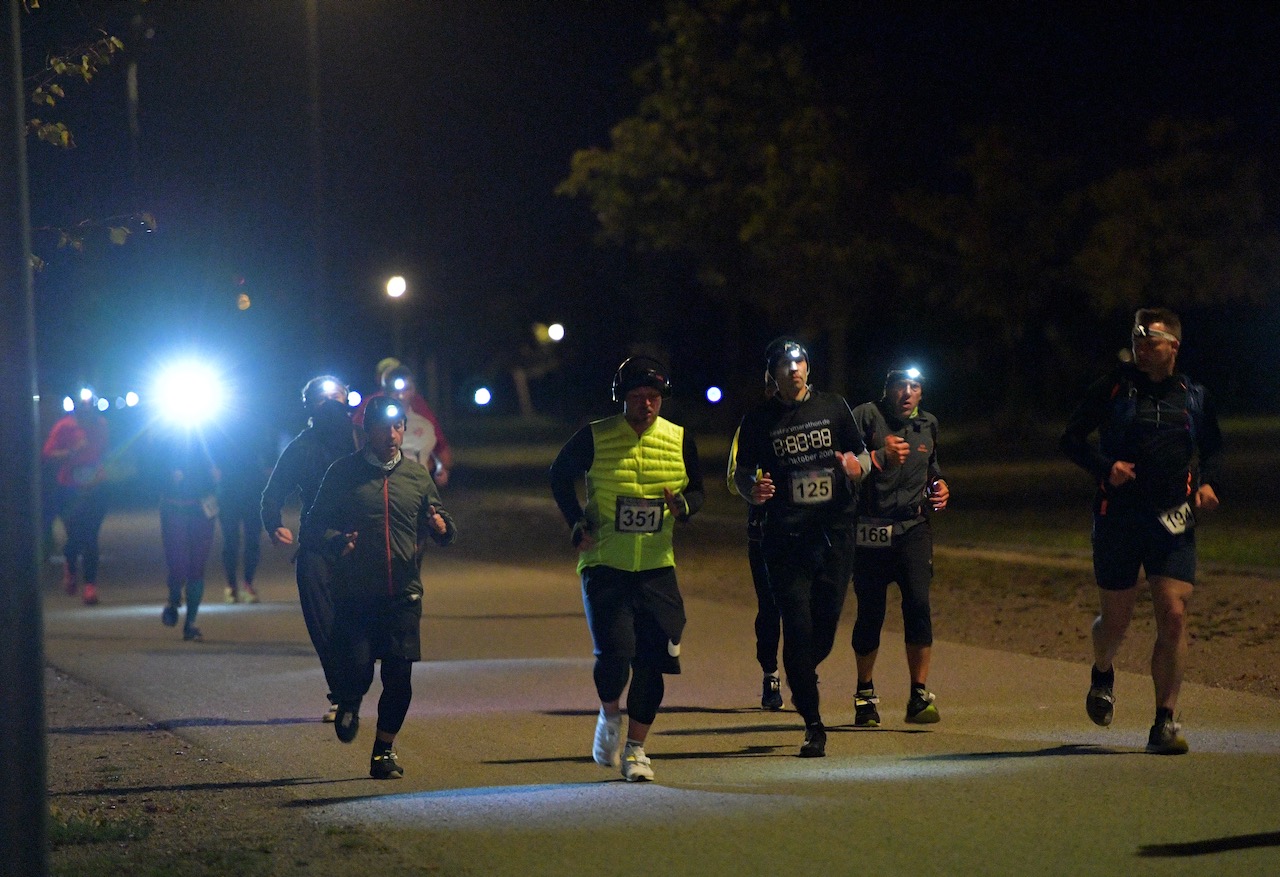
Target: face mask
(332,415)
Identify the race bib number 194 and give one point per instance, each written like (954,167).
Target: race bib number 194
(1178,520)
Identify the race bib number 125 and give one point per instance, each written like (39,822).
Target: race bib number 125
(812,486)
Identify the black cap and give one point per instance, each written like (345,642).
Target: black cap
(640,371)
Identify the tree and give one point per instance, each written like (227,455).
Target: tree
(75,58)
(995,260)
(1188,228)
(731,161)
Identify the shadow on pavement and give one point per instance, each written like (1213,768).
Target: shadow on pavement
(1211,845)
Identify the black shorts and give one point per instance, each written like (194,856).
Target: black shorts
(634,615)
(383,628)
(1126,541)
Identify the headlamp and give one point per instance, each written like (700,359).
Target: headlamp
(1140,332)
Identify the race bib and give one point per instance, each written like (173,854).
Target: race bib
(874,533)
(634,514)
(812,486)
(1178,520)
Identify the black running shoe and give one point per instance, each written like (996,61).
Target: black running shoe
(865,713)
(920,708)
(815,741)
(1166,739)
(383,766)
(1100,703)
(347,724)
(771,694)
(169,615)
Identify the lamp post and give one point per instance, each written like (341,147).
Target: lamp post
(23,804)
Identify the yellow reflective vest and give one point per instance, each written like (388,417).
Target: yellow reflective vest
(628,473)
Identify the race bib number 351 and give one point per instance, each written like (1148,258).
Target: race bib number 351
(812,486)
(635,514)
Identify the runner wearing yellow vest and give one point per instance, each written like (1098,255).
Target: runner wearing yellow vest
(641,474)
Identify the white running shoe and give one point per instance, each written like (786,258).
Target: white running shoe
(607,750)
(635,764)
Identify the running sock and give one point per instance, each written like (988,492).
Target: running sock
(1163,714)
(1099,678)
(381,747)
(869,685)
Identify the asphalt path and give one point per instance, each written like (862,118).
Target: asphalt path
(496,748)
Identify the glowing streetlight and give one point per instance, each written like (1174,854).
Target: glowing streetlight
(555,332)
(396,286)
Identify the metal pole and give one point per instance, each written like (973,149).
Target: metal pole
(23,808)
(319,231)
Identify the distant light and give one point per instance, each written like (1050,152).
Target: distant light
(68,404)
(714,395)
(243,303)
(396,286)
(353,398)
(483,396)
(555,332)
(85,394)
(103,404)
(130,399)
(189,393)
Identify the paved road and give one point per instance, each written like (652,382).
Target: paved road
(1015,780)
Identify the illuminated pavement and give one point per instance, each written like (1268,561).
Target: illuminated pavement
(1015,780)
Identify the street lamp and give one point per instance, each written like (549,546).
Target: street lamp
(396,288)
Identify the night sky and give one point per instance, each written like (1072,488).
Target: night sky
(446,126)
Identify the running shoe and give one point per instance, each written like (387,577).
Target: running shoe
(607,748)
(920,708)
(229,595)
(90,597)
(347,723)
(865,714)
(1166,739)
(169,615)
(635,764)
(331,714)
(815,741)
(1100,702)
(248,594)
(383,766)
(192,634)
(771,694)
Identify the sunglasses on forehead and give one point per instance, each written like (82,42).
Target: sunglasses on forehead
(1141,331)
